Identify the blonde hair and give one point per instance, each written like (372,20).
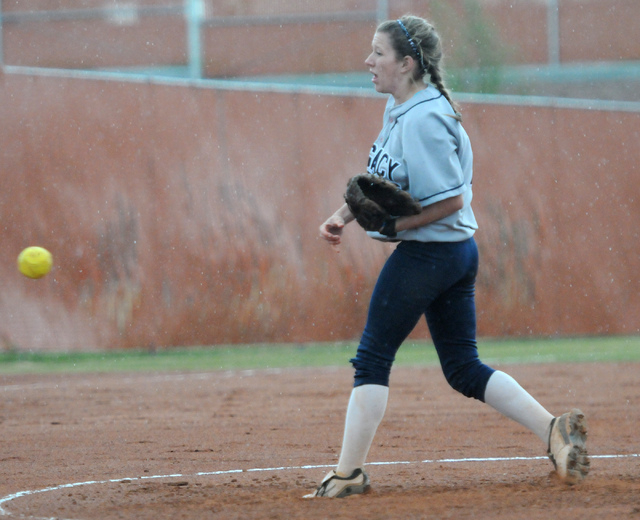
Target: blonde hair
(414,36)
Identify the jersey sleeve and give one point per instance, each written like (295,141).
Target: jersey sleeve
(430,157)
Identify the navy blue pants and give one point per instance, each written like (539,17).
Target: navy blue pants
(437,280)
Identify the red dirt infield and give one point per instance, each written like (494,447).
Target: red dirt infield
(250,444)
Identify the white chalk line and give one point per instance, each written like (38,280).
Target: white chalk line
(13,496)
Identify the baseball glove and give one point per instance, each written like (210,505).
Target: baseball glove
(374,200)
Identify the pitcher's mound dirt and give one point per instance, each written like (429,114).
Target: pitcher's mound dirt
(238,445)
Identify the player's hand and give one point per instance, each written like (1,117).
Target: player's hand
(331,230)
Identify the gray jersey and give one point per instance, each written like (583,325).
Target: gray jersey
(427,153)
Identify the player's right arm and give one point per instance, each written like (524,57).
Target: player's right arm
(331,229)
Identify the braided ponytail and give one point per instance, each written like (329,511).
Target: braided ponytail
(415,37)
(438,82)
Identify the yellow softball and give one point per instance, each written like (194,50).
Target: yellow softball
(35,262)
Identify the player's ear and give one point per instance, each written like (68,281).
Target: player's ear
(407,64)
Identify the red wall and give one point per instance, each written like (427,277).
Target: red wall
(182,215)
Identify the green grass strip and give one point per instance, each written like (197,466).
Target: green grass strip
(249,357)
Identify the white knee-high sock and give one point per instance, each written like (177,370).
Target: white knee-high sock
(364,414)
(505,395)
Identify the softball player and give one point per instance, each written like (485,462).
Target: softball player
(425,150)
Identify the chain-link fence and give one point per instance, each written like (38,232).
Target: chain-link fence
(496,46)
(194,37)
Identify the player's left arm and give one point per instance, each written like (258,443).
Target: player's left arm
(431,213)
(434,171)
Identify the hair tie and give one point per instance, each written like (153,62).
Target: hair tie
(411,42)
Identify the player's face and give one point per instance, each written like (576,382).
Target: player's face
(383,63)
